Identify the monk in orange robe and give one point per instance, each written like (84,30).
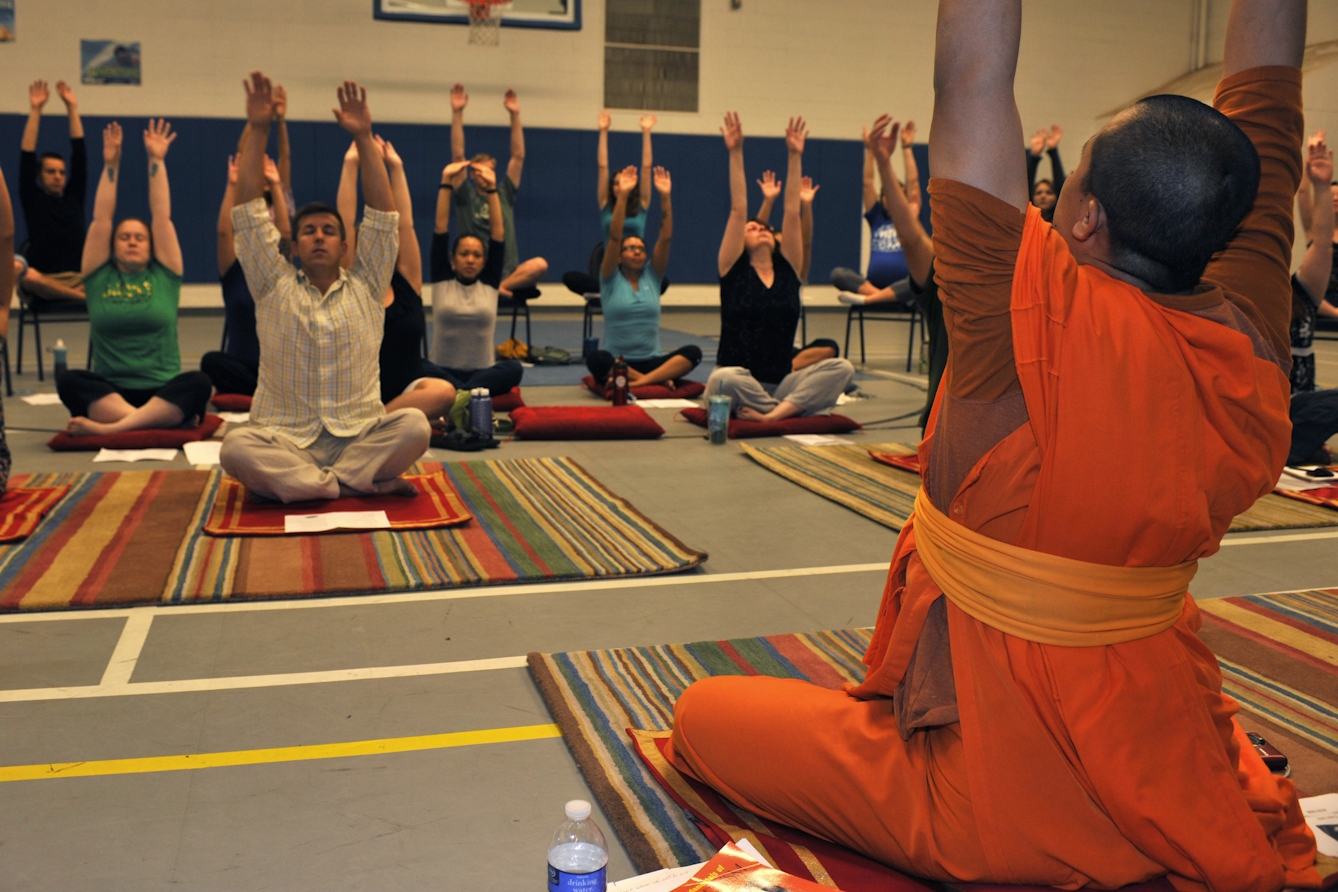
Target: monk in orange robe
(1037,706)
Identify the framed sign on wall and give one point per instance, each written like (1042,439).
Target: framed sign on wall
(559,14)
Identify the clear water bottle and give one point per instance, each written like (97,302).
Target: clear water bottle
(58,357)
(578,857)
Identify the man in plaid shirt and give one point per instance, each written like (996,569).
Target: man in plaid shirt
(318,429)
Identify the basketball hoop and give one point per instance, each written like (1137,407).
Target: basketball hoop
(485,21)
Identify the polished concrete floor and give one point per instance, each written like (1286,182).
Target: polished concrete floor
(461,817)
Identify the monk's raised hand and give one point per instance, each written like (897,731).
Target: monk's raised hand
(259,99)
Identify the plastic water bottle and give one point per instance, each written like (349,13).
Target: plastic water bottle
(620,376)
(578,857)
(717,418)
(58,357)
(480,410)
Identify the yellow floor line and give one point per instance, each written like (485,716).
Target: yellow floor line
(277,754)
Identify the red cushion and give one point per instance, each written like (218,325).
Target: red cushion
(585,423)
(231,402)
(146,439)
(508,402)
(813,424)
(686,390)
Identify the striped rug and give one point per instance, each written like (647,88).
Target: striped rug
(22,507)
(137,537)
(848,476)
(1279,657)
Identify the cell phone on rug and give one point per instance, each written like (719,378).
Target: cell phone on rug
(1273,758)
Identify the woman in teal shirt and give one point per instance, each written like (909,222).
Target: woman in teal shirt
(132,282)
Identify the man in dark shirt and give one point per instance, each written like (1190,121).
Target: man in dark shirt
(52,196)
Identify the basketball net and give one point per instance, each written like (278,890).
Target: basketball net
(485,21)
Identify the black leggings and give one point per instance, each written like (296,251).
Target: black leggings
(189,392)
(1314,421)
(230,374)
(600,363)
(499,378)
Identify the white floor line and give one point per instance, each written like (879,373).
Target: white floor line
(1291,537)
(480,591)
(123,659)
(243,682)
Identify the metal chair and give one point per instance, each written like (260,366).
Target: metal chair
(518,303)
(889,311)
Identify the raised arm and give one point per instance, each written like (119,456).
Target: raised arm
(354,116)
(731,245)
(409,261)
(71,109)
(915,242)
(1035,148)
(807,192)
(796,132)
(771,190)
(1052,138)
(449,174)
(346,202)
(663,185)
(97,244)
(912,186)
(227,251)
(251,150)
(166,249)
(282,221)
(976,129)
(647,158)
(517,162)
(602,158)
(459,99)
(626,182)
(1304,208)
(38,94)
(6,253)
(870,187)
(1318,261)
(279,110)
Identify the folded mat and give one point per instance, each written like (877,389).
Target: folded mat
(686,390)
(875,481)
(231,402)
(145,439)
(1276,652)
(739,429)
(436,505)
(137,537)
(585,423)
(23,507)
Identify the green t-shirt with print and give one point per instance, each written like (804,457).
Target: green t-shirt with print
(133,318)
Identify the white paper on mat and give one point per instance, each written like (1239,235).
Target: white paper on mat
(671,878)
(42,399)
(203,452)
(135,455)
(1321,813)
(1288,483)
(235,417)
(668,403)
(336,520)
(817,439)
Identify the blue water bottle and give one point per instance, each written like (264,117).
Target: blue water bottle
(480,410)
(578,857)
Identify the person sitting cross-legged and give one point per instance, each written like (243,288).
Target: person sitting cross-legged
(52,196)
(629,291)
(132,282)
(318,429)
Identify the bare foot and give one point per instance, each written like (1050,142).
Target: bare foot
(395,486)
(80,426)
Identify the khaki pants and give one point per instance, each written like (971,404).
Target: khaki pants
(272,466)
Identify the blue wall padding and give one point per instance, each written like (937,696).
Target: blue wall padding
(556,214)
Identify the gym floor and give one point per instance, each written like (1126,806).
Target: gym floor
(477,815)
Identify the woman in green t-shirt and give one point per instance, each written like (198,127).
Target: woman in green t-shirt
(132,282)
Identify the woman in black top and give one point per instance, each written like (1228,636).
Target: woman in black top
(757,365)
(1045,193)
(402,386)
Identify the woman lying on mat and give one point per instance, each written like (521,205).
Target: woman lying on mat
(464,294)
(132,281)
(757,365)
(629,291)
(403,385)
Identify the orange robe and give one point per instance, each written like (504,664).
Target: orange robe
(1147,422)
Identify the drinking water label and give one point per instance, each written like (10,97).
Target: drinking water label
(561,881)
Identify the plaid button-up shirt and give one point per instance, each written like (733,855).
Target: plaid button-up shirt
(319,353)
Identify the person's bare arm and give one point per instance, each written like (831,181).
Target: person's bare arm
(227,252)
(915,242)
(6,253)
(1318,261)
(67,96)
(807,192)
(487,185)
(912,186)
(647,159)
(517,162)
(346,202)
(355,117)
(449,174)
(251,151)
(1305,210)
(282,221)
(602,159)
(870,187)
(459,99)
(796,132)
(622,188)
(97,244)
(38,94)
(166,248)
(279,108)
(663,185)
(1264,32)
(771,190)
(409,262)
(731,244)
(976,129)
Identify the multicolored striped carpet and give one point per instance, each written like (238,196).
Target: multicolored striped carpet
(1279,656)
(137,537)
(849,476)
